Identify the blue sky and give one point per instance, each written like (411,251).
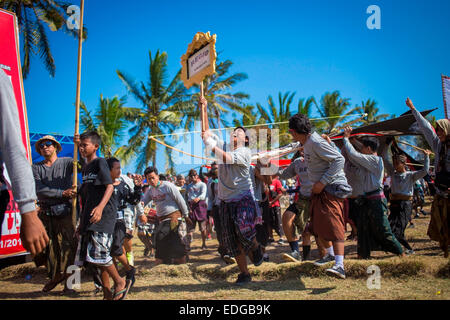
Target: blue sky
(310,47)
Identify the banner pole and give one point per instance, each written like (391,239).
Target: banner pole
(77,114)
(204,114)
(446,113)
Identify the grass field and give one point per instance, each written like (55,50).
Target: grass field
(424,275)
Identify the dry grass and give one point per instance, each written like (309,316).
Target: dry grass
(424,275)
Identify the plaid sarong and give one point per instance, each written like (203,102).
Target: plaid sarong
(238,221)
(94,247)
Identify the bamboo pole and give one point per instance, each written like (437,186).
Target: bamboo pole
(203,111)
(77,114)
(410,145)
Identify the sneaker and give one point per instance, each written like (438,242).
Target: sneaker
(423,212)
(336,271)
(417,216)
(266,257)
(243,279)
(294,256)
(409,252)
(281,241)
(258,256)
(130,258)
(324,260)
(228,259)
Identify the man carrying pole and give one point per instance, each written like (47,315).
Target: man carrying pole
(76,139)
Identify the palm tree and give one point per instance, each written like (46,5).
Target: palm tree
(369,108)
(109,121)
(217,92)
(32,17)
(282,113)
(161,110)
(334,109)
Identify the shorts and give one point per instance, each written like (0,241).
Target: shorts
(169,242)
(118,238)
(94,247)
(301,209)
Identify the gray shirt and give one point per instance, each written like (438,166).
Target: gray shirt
(213,198)
(167,199)
(403,183)
(354,174)
(12,151)
(52,181)
(234,177)
(258,185)
(298,167)
(196,190)
(324,162)
(371,165)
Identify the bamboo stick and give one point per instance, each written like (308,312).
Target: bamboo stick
(417,148)
(77,114)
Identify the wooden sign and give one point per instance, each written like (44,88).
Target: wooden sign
(199,60)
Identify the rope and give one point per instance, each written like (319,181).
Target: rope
(275,153)
(253,125)
(181,151)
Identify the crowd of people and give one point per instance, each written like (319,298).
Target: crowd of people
(329,187)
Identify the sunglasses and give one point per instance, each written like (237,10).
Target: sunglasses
(45,144)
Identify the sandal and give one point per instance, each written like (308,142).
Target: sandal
(122,292)
(52,284)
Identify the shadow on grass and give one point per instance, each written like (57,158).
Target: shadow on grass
(273,286)
(57,294)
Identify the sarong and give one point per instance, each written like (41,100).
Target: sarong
(327,217)
(238,221)
(373,228)
(440,223)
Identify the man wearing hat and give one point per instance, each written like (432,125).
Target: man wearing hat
(53,178)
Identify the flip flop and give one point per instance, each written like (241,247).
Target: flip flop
(122,292)
(52,284)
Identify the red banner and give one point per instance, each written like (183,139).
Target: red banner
(10,243)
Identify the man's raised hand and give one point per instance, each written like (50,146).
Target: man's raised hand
(410,104)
